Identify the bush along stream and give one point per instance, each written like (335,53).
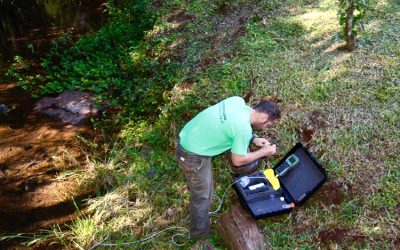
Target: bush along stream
(114,65)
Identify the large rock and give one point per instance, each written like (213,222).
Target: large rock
(72,107)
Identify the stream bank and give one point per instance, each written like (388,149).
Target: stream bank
(35,151)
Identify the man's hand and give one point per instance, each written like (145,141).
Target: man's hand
(268,149)
(265,150)
(260,142)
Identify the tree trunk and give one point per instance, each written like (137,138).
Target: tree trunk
(239,230)
(351,42)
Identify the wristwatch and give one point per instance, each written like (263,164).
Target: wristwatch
(252,138)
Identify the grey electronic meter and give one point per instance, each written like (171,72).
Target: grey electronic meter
(291,162)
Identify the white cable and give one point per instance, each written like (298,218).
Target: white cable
(101,243)
(220,201)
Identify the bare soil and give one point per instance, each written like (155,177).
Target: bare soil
(339,235)
(34,150)
(333,193)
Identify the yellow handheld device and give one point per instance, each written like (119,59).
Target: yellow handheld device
(272,178)
(290,163)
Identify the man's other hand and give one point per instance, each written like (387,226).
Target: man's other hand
(269,149)
(260,142)
(266,149)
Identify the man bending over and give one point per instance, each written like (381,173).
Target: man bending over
(227,125)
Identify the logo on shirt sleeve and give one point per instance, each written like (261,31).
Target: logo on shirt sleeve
(222,113)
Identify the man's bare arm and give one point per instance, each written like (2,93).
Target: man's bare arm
(265,150)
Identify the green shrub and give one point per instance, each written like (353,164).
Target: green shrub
(114,64)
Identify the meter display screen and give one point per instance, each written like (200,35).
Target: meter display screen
(292,160)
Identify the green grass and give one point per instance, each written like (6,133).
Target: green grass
(289,51)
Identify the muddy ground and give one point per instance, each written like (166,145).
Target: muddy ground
(35,151)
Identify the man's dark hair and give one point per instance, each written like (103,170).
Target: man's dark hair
(268,107)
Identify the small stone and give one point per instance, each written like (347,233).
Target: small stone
(4,109)
(151,174)
(170,212)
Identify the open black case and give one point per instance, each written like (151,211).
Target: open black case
(296,185)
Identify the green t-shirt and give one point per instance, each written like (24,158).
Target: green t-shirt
(223,126)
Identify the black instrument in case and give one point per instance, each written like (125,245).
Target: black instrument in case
(296,184)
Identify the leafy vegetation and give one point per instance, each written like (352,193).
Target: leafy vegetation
(351,13)
(112,64)
(196,53)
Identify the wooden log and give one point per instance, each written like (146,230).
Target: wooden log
(240,231)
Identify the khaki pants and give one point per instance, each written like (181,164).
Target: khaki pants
(197,170)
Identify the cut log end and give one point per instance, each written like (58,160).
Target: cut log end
(240,231)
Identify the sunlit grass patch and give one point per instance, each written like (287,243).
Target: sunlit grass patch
(81,232)
(327,4)
(320,24)
(288,28)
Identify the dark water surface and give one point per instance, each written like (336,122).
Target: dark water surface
(28,26)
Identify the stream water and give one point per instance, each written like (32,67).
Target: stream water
(28,26)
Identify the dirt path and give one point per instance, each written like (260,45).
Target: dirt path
(34,150)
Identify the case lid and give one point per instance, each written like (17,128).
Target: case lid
(301,181)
